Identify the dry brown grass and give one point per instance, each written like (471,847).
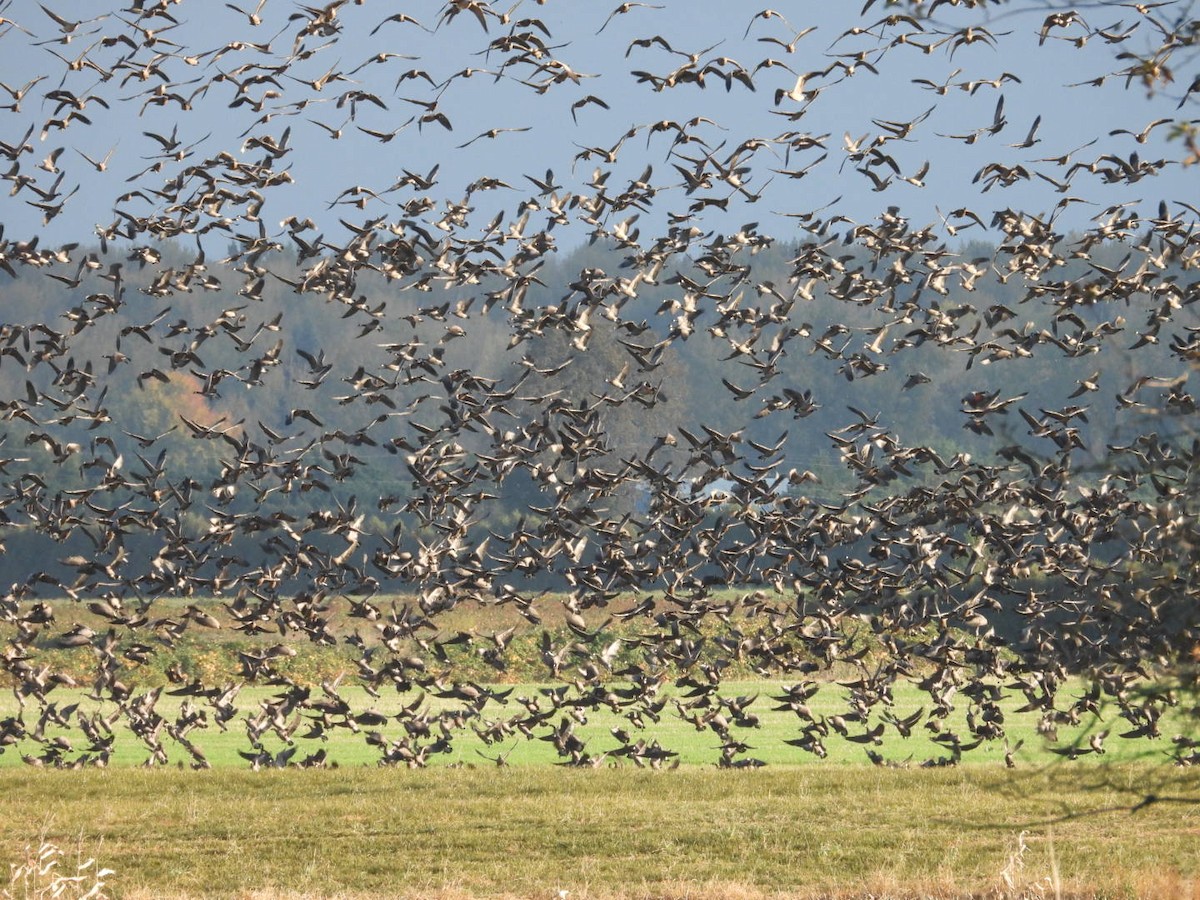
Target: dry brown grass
(838,832)
(1151,888)
(45,872)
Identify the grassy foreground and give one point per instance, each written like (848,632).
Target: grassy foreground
(836,831)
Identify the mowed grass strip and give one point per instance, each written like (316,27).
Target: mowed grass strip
(531,832)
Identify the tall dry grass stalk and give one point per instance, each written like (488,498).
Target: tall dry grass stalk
(42,875)
(1014,881)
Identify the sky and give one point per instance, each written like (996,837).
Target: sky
(327,151)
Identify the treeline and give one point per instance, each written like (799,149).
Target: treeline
(157,374)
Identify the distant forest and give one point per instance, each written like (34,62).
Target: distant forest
(278,404)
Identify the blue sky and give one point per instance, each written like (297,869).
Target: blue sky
(322,166)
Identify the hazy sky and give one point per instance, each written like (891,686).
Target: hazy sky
(328,157)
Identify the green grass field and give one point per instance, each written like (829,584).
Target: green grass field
(801,827)
(827,831)
(693,746)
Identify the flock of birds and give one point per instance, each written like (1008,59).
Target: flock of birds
(1025,573)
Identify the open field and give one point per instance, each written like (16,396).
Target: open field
(694,745)
(838,831)
(211,655)
(800,828)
